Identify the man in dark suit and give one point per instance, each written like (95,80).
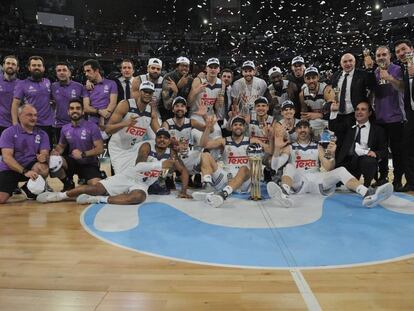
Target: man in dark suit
(364,144)
(404,48)
(352,86)
(124,82)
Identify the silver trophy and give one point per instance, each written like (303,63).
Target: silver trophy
(382,65)
(255,154)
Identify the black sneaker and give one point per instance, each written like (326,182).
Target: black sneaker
(156,188)
(68,184)
(268,174)
(26,191)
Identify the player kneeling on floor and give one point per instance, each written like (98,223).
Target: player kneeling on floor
(130,186)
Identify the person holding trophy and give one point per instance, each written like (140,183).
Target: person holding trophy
(302,173)
(388,96)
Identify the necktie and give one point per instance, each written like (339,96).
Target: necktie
(342,103)
(358,135)
(127,90)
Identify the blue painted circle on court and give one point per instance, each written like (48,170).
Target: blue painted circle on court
(346,234)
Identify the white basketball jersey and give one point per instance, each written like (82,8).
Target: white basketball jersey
(151,177)
(256,129)
(234,155)
(182,133)
(315,101)
(208,97)
(127,138)
(305,158)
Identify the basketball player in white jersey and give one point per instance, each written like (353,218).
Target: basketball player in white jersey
(235,173)
(302,173)
(180,129)
(131,186)
(313,97)
(207,92)
(279,91)
(128,125)
(153,74)
(247,89)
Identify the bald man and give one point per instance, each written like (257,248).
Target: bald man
(352,87)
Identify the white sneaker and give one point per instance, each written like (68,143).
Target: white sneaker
(381,194)
(214,200)
(49,197)
(276,193)
(201,195)
(87,199)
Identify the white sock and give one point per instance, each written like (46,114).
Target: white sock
(103,199)
(63,195)
(361,190)
(207,178)
(228,189)
(287,188)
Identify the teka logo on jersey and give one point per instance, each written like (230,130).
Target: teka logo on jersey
(237,159)
(306,163)
(136,131)
(152,174)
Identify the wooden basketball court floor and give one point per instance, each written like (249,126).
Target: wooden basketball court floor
(49,262)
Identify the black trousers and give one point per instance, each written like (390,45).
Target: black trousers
(363,165)
(394,137)
(408,148)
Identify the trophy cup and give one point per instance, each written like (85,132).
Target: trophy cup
(337,91)
(325,138)
(409,59)
(255,154)
(382,65)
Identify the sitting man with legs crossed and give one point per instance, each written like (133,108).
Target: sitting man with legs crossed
(302,174)
(130,186)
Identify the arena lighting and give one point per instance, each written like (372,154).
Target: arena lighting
(377,6)
(205,21)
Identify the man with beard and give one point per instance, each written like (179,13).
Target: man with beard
(99,102)
(207,94)
(154,75)
(25,149)
(235,173)
(302,172)
(313,99)
(405,54)
(247,89)
(85,144)
(63,91)
(175,83)
(35,90)
(223,114)
(389,111)
(279,90)
(180,129)
(8,81)
(130,186)
(128,125)
(297,78)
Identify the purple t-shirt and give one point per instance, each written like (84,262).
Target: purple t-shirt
(63,94)
(38,95)
(25,145)
(6,99)
(388,101)
(100,95)
(81,137)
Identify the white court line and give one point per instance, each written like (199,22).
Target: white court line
(305,290)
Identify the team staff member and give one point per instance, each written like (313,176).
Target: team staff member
(63,91)
(85,144)
(8,82)
(35,90)
(25,149)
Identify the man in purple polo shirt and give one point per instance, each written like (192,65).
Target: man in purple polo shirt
(85,144)
(100,101)
(389,106)
(25,150)
(8,81)
(35,90)
(63,91)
